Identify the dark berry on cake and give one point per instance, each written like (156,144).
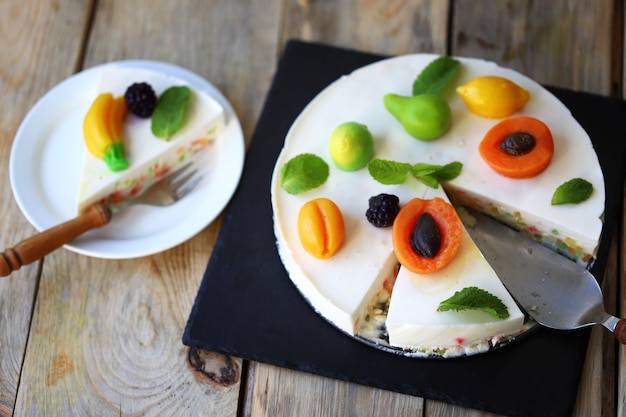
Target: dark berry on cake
(383,210)
(140,99)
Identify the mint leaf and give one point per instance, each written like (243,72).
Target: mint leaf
(436,75)
(303,172)
(388,172)
(392,172)
(426,178)
(433,175)
(169,112)
(449,171)
(573,191)
(474,298)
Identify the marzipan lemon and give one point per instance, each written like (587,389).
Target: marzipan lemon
(493,97)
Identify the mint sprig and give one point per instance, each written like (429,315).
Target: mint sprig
(303,172)
(474,298)
(573,191)
(436,174)
(436,75)
(388,172)
(392,172)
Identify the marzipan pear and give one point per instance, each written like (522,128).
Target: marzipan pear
(425,116)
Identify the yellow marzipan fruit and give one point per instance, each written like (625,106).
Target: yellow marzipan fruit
(96,125)
(102,130)
(493,97)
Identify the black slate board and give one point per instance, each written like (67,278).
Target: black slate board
(247,306)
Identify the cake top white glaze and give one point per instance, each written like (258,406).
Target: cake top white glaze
(358,97)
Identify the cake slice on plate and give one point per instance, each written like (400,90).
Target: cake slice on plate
(148,156)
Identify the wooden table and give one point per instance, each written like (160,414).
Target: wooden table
(85,336)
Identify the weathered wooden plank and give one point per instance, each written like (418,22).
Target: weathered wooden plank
(106,337)
(523,36)
(388,27)
(31,62)
(233,44)
(122,362)
(570,45)
(283,392)
(385,27)
(596,394)
(106,334)
(566,44)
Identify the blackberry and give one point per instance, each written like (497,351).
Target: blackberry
(140,99)
(383,210)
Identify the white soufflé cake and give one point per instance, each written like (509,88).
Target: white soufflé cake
(363,288)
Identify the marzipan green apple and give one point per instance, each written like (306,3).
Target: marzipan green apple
(351,146)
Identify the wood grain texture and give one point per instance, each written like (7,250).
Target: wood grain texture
(282,392)
(111,330)
(596,395)
(385,27)
(31,62)
(233,44)
(105,335)
(128,360)
(388,27)
(562,46)
(568,44)
(516,34)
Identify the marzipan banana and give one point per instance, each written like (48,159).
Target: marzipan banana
(102,130)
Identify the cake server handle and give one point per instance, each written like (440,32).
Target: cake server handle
(37,246)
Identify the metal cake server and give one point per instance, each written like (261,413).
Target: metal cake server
(555,291)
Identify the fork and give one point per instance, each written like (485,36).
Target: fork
(166,191)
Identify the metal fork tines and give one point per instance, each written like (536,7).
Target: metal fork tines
(167,190)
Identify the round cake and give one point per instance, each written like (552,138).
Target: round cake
(361,287)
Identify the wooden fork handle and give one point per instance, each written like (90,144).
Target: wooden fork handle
(41,244)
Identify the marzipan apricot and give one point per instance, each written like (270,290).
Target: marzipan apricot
(450,229)
(527,165)
(321,227)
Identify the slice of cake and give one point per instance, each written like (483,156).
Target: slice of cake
(148,157)
(361,289)
(413,318)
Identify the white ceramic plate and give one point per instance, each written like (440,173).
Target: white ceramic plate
(46,161)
